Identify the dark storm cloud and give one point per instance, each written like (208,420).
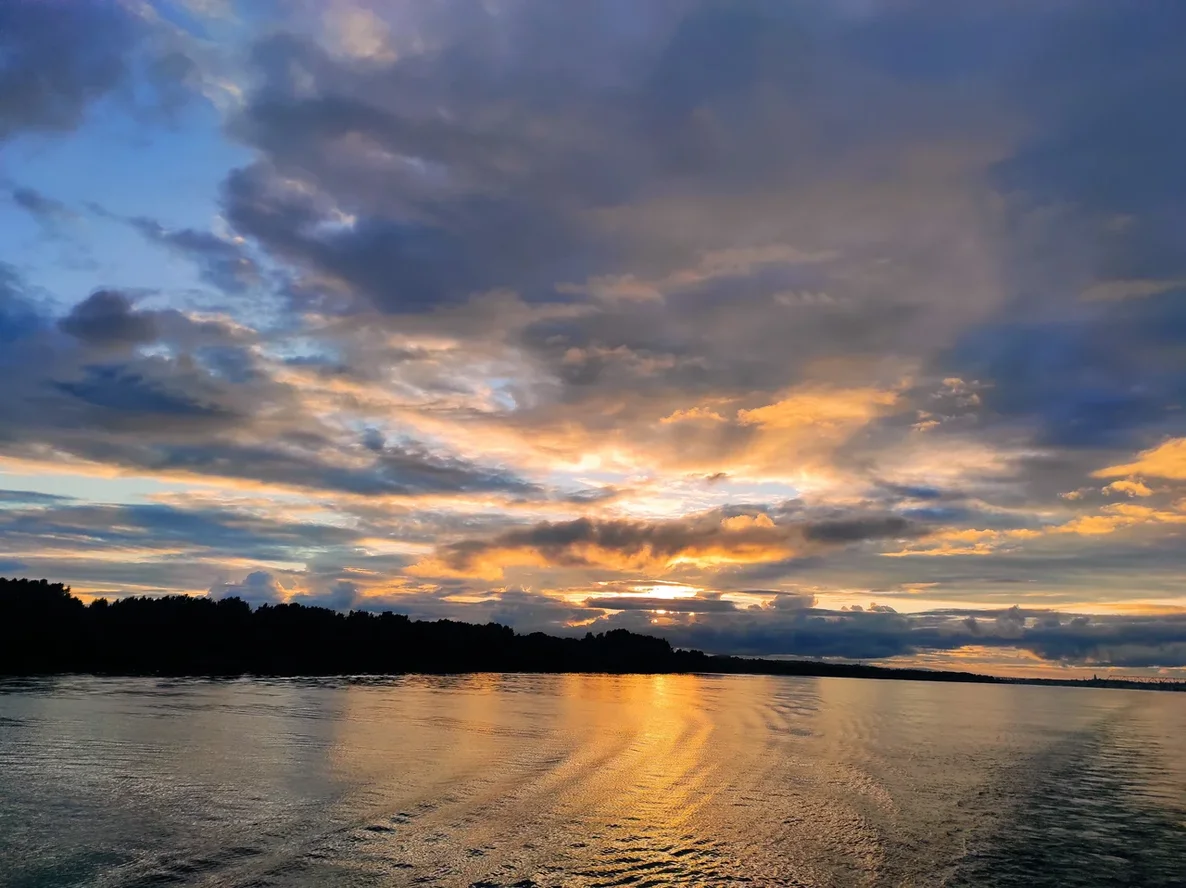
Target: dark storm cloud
(87,375)
(60,57)
(1108,93)
(1087,354)
(743,536)
(474,172)
(56,58)
(856,530)
(1109,378)
(1131,641)
(402,266)
(804,633)
(117,391)
(108,317)
(1127,641)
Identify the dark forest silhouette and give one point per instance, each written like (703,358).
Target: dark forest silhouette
(45,630)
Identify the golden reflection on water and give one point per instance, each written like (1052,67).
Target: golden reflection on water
(662,776)
(613,779)
(607,758)
(584,780)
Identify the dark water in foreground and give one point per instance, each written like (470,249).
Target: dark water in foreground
(588,781)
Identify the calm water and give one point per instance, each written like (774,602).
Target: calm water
(588,781)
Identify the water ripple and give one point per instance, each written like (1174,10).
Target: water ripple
(584,781)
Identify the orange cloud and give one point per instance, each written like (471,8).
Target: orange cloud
(1168,460)
(1119,516)
(1093,525)
(821,409)
(969,541)
(1129,486)
(701,540)
(692,414)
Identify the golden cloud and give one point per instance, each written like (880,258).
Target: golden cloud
(1129,486)
(701,540)
(1167,460)
(821,410)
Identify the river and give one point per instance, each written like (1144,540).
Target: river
(583,780)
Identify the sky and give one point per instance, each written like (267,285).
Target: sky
(825,328)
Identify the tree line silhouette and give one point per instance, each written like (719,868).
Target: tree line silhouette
(46,630)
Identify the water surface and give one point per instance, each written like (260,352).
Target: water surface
(496,780)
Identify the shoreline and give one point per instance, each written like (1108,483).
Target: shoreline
(874,673)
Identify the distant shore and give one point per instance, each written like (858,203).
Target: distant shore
(44,630)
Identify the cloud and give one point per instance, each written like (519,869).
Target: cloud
(160,530)
(705,539)
(363,182)
(523,610)
(1132,642)
(1129,487)
(342,595)
(60,58)
(1011,623)
(45,209)
(790,601)
(223,263)
(858,529)
(1126,642)
(667,605)
(533,612)
(584,297)
(200,402)
(258,587)
(57,59)
(19,316)
(210,8)
(108,318)
(1106,291)
(1166,460)
(819,411)
(31,497)
(294,464)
